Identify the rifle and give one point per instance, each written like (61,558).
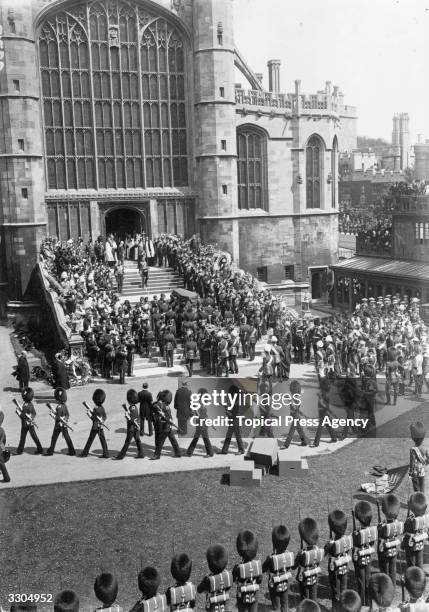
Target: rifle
(53,414)
(128,417)
(378,510)
(90,412)
(29,421)
(353,517)
(164,418)
(327,503)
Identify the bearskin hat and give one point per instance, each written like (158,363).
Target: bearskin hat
(181,567)
(350,601)
(166,396)
(324,384)
(363,513)
(309,531)
(247,545)
(415,581)
(417,504)
(295,386)
(390,505)
(149,581)
(66,601)
(381,590)
(60,395)
(98,397)
(132,397)
(27,394)
(217,558)
(417,431)
(308,605)
(280,537)
(23,607)
(106,588)
(337,521)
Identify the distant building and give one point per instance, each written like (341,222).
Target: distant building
(124,116)
(403,270)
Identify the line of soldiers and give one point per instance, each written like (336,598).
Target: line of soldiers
(376,590)
(139,410)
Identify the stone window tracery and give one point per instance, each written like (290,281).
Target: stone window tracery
(114,103)
(314,170)
(252,168)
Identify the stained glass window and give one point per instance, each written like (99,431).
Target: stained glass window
(114,104)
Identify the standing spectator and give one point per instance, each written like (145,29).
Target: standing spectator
(59,370)
(418,372)
(182,405)
(23,371)
(119,275)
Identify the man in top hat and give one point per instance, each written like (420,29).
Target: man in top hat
(182,404)
(61,419)
(133,425)
(23,371)
(146,401)
(97,416)
(28,416)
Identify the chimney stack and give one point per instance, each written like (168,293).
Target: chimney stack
(274,75)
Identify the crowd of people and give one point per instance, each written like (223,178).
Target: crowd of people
(226,316)
(369,540)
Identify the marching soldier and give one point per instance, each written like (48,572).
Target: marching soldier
(61,416)
(295,412)
(28,416)
(164,424)
(324,410)
(133,425)
(98,417)
(4,455)
(234,425)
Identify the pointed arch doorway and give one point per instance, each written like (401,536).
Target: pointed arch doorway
(125,220)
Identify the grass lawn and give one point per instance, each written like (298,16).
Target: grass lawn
(61,536)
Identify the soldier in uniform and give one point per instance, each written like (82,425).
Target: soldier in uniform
(61,419)
(122,362)
(324,410)
(218,583)
(133,426)
(164,424)
(3,459)
(234,426)
(98,416)
(169,342)
(248,586)
(278,577)
(149,581)
(28,416)
(190,353)
(308,559)
(181,567)
(381,592)
(295,411)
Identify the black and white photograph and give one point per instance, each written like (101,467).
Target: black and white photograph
(214,305)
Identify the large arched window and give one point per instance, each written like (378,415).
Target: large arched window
(334,172)
(314,171)
(113,87)
(252,168)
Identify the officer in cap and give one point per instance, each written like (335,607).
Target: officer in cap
(61,423)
